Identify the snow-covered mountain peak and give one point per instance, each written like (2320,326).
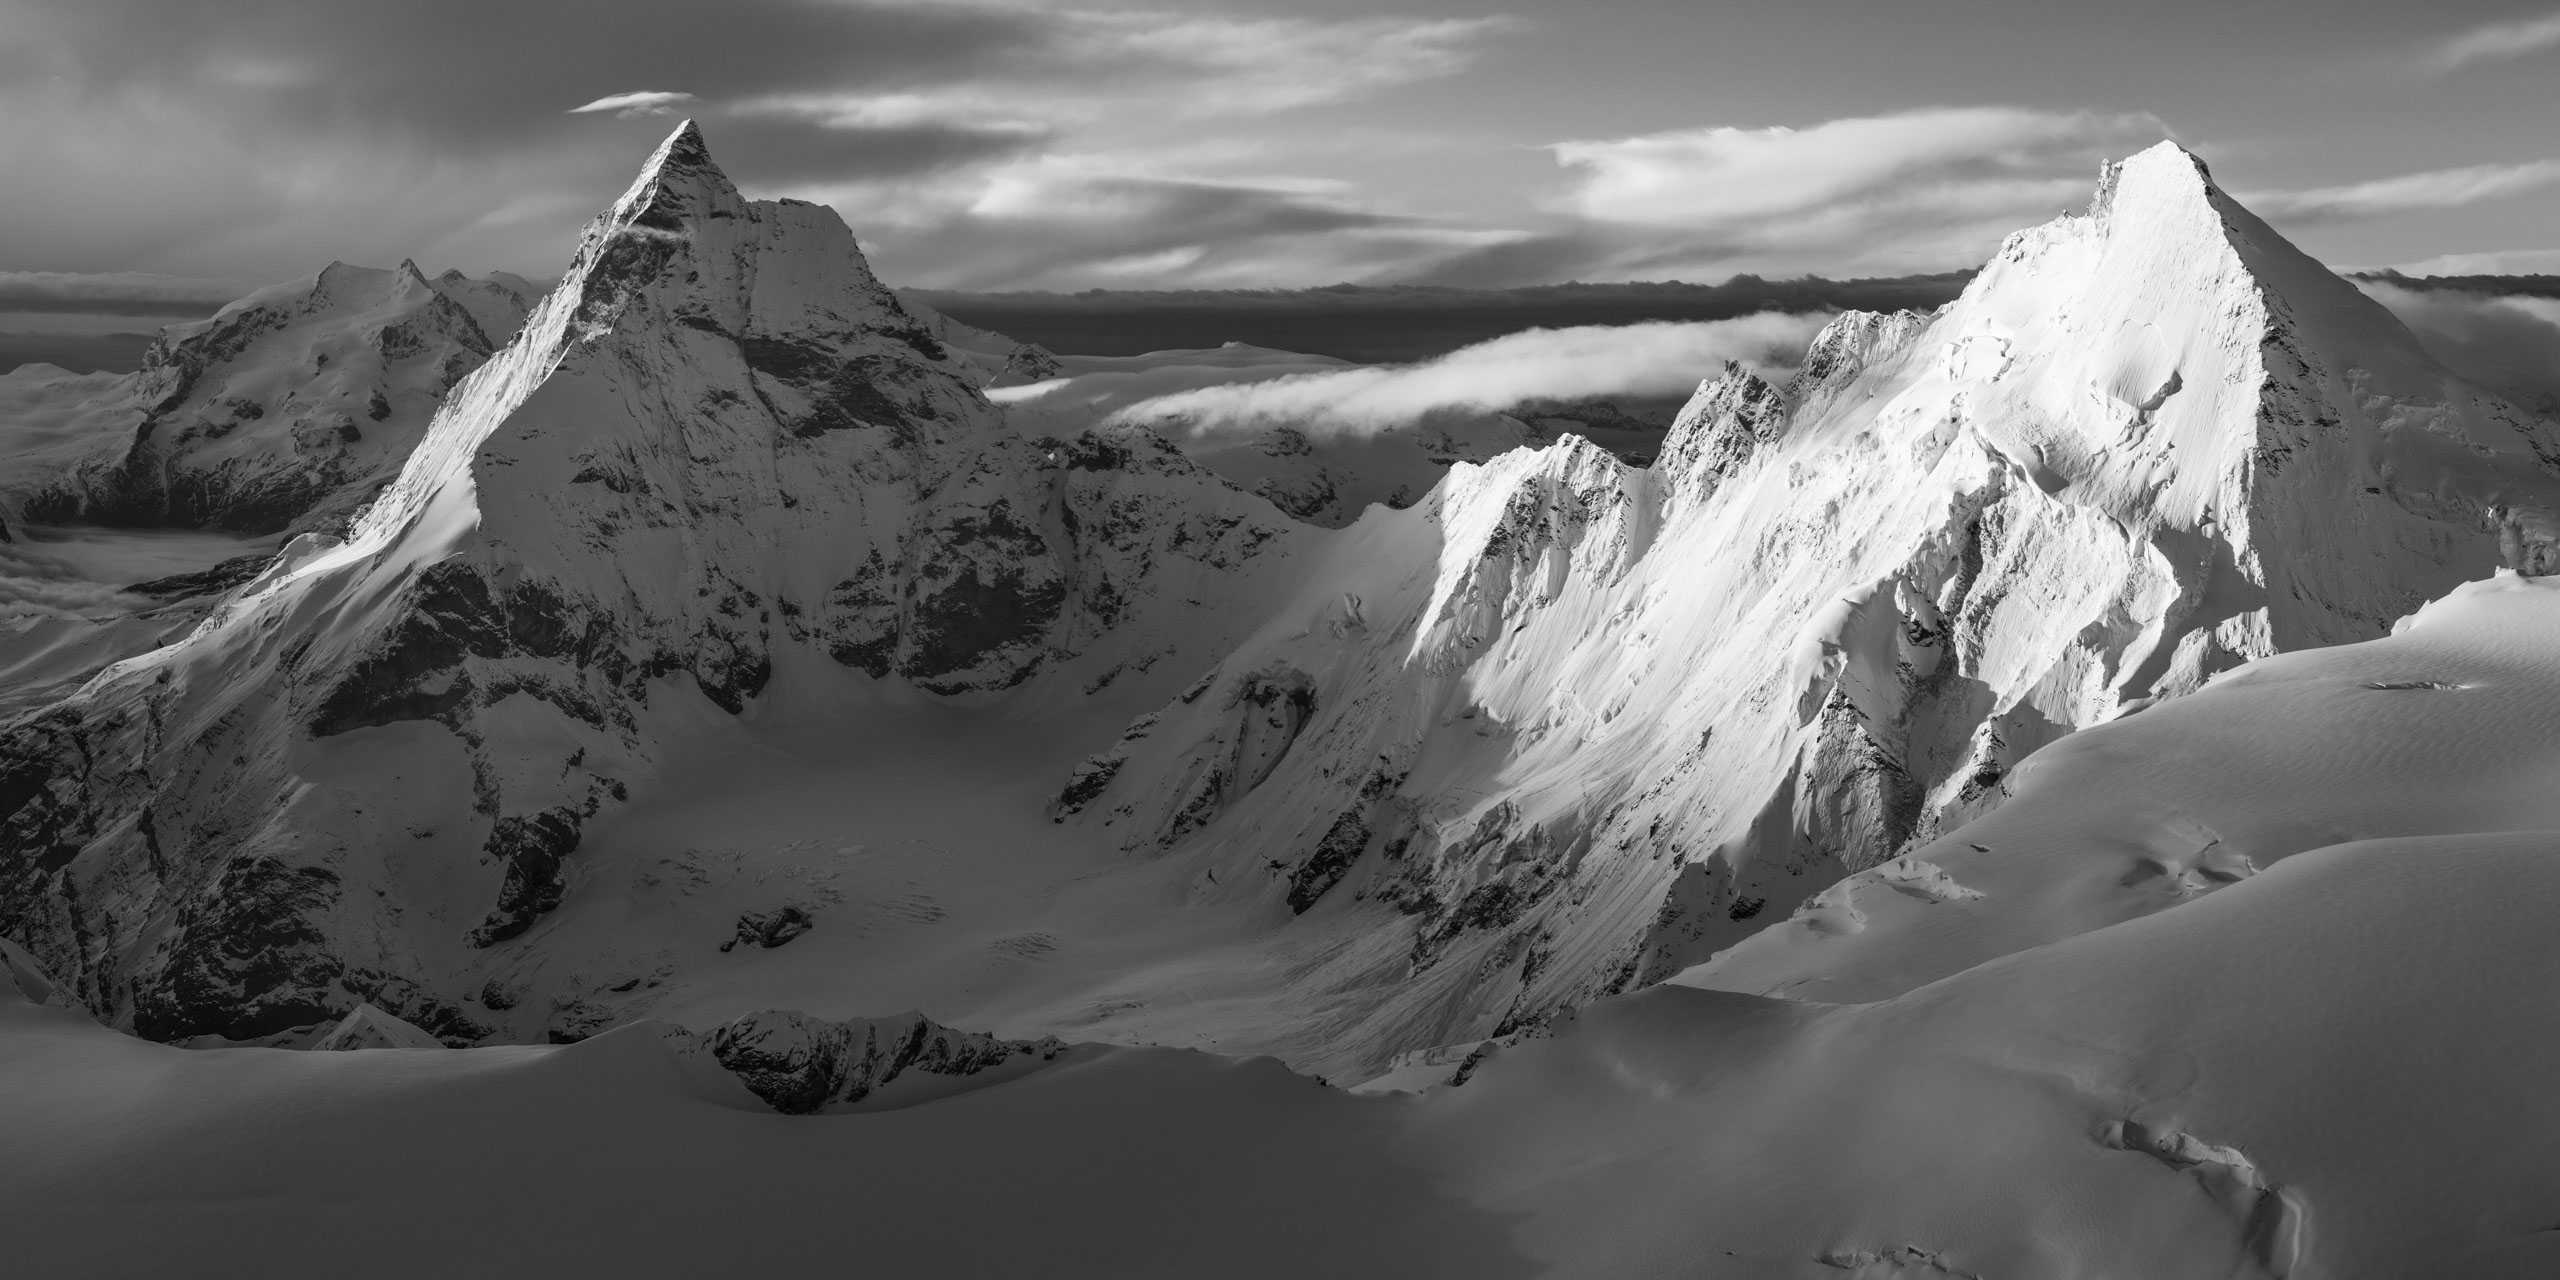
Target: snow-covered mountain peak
(718,449)
(286,409)
(2168,358)
(679,183)
(1631,716)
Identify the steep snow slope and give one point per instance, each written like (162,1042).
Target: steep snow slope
(1623,718)
(2172,1096)
(2438,729)
(717,445)
(289,407)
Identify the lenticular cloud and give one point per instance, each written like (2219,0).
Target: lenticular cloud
(1666,358)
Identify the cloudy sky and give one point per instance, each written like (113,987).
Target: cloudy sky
(164,151)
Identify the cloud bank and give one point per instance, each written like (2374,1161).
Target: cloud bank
(1542,364)
(2506,343)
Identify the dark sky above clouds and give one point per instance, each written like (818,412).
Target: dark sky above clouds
(162,152)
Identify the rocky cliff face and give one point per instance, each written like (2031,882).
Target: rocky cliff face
(718,441)
(288,409)
(1603,721)
(799,1065)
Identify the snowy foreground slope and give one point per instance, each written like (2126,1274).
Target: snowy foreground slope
(2334,1067)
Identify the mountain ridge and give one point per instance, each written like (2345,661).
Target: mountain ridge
(680,463)
(1565,726)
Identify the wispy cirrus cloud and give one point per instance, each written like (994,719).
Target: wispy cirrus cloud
(1275,63)
(2405,193)
(1106,220)
(2494,42)
(1965,157)
(1913,190)
(161,134)
(640,105)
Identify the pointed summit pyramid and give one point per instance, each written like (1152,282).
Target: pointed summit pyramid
(717,443)
(2173,362)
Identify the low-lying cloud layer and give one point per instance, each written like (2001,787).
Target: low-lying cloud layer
(1542,364)
(2507,343)
(36,585)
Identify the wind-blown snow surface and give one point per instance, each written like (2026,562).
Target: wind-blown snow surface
(722,650)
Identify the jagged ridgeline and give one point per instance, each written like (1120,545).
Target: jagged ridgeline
(287,409)
(718,437)
(1563,726)
(1621,718)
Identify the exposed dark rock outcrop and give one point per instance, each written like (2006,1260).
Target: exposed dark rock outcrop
(769,929)
(799,1064)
